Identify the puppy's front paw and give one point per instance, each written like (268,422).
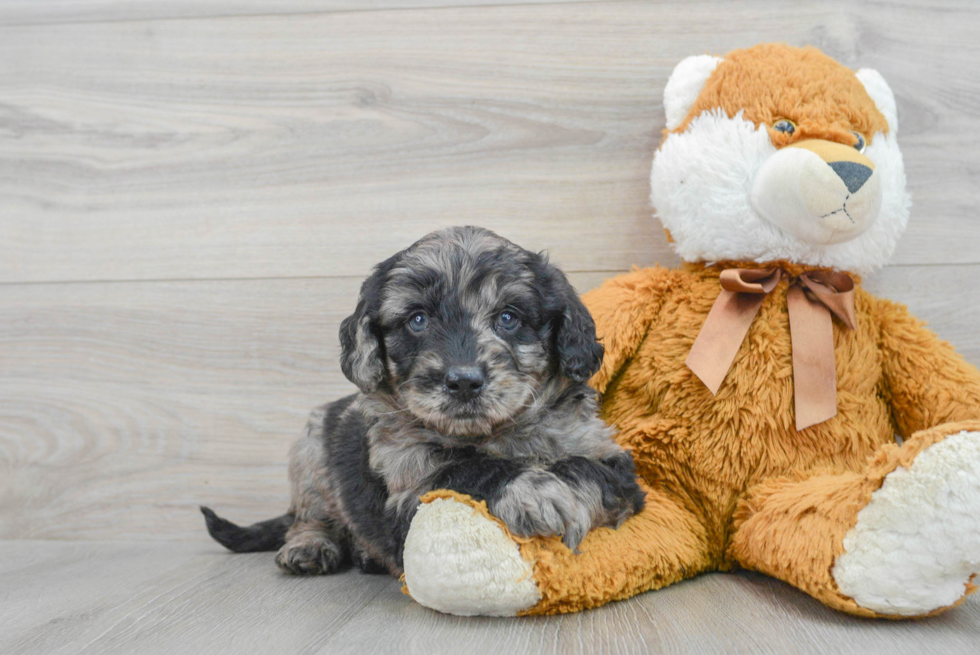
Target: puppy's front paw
(310,556)
(540,503)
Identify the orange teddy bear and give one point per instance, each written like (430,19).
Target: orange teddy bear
(759,387)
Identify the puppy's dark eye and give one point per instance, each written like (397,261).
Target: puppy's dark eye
(508,321)
(860,144)
(785,126)
(418,322)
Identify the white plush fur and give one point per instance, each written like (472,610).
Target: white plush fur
(917,543)
(722,155)
(459,562)
(799,193)
(881,93)
(684,86)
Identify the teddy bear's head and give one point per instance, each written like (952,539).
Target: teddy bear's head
(776,153)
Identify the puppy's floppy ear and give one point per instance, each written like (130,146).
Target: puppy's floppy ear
(579,354)
(362,356)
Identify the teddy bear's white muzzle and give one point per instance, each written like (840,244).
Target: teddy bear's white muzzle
(818,191)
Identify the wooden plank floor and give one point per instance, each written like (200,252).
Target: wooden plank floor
(112,597)
(190,194)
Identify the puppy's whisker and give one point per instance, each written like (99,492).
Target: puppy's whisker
(530,390)
(402,384)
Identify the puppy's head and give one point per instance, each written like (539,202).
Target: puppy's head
(463,328)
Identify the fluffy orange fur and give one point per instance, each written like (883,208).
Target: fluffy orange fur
(770,82)
(769,497)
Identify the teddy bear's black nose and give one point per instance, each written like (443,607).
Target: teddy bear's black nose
(853,174)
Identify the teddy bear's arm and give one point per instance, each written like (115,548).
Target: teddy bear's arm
(623,308)
(927,381)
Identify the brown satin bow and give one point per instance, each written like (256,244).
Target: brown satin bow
(810,299)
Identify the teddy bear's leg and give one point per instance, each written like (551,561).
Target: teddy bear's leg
(461,560)
(901,538)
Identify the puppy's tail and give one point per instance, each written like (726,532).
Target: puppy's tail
(264,535)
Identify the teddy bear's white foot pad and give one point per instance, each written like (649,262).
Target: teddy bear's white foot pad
(917,543)
(459,562)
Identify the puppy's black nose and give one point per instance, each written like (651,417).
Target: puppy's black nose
(464,381)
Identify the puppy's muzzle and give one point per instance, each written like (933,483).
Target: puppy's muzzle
(465,382)
(818,191)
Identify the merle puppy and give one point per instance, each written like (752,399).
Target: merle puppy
(471,356)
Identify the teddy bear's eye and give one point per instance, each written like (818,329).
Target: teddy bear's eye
(860,144)
(784,126)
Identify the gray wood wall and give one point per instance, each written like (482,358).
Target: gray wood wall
(190,194)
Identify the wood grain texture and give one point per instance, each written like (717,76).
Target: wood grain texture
(117,400)
(105,598)
(124,406)
(39,12)
(285,146)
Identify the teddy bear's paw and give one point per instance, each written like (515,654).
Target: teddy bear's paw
(458,561)
(916,545)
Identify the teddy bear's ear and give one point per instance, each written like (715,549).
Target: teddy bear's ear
(685,85)
(881,93)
